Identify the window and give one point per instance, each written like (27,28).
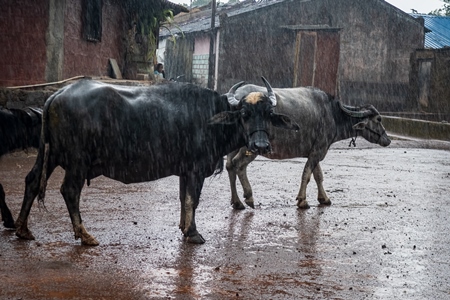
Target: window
(92,20)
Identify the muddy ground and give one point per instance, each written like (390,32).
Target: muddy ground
(386,235)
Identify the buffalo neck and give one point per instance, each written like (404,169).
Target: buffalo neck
(344,124)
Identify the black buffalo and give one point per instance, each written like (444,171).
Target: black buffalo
(137,134)
(323,121)
(19,129)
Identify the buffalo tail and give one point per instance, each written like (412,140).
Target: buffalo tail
(43,181)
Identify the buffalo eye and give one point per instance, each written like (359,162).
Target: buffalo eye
(379,119)
(244,113)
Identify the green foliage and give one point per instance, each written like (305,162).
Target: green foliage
(144,18)
(169,21)
(144,13)
(444,11)
(196,3)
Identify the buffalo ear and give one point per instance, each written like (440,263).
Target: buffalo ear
(283,121)
(361,125)
(225,118)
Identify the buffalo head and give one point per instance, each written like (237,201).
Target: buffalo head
(255,111)
(370,126)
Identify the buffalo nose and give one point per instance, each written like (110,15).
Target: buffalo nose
(260,147)
(259,142)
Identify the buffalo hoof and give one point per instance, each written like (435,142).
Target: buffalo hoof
(238,205)
(24,234)
(303,204)
(250,202)
(89,241)
(195,239)
(9,223)
(86,238)
(326,202)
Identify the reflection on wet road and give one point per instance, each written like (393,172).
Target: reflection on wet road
(384,237)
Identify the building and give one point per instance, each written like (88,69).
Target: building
(270,38)
(50,40)
(430,69)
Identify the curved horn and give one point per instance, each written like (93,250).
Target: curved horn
(37,115)
(37,111)
(270,92)
(352,112)
(230,95)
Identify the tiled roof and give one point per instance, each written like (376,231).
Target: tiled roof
(437,33)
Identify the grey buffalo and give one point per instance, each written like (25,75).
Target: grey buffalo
(19,129)
(323,121)
(137,134)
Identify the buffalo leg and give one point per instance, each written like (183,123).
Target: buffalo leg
(71,190)
(193,184)
(318,177)
(242,175)
(237,163)
(182,192)
(235,201)
(32,182)
(306,177)
(7,218)
(31,191)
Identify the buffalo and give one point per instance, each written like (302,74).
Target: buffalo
(137,134)
(323,120)
(19,130)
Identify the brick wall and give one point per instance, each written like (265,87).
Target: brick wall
(200,69)
(82,57)
(23,25)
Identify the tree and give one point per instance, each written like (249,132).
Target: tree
(444,11)
(144,19)
(196,3)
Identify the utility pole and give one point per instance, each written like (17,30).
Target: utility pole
(211,61)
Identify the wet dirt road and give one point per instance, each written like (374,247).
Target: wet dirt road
(386,235)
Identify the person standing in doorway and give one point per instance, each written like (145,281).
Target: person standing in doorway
(159,71)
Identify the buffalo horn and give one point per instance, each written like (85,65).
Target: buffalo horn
(270,92)
(230,95)
(36,110)
(355,113)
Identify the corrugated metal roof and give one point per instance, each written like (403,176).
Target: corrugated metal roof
(438,31)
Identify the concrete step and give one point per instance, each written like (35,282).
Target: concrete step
(142,76)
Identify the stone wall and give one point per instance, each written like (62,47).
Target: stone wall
(21,98)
